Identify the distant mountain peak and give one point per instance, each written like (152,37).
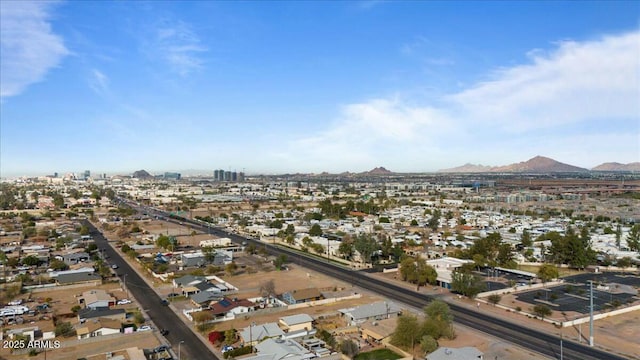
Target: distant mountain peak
(467,168)
(615,166)
(537,164)
(379,171)
(141,174)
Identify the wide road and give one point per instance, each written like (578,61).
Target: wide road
(526,337)
(163,317)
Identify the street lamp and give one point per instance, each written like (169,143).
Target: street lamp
(179,345)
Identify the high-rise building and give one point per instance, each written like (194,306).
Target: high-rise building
(241,177)
(87,174)
(172,175)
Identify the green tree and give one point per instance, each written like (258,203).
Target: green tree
(163,241)
(315,230)
(138,318)
(201,318)
(84,230)
(231,268)
(633,238)
(426,273)
(290,230)
(547,272)
(438,310)
(494,299)
(276,224)
(58,265)
(466,283)
(542,311)
(349,348)
(625,262)
(407,332)
(280,261)
(434,221)
(346,249)
(409,270)
(230,336)
(428,344)
(31,260)
(64,329)
(366,246)
(58,201)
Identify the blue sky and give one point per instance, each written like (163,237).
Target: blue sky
(274,87)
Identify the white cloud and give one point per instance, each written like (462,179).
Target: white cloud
(522,111)
(576,82)
(99,82)
(28,46)
(179,46)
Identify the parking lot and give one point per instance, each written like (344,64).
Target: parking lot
(609,291)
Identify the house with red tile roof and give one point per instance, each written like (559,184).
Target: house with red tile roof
(229,308)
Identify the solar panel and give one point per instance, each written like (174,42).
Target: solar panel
(224,303)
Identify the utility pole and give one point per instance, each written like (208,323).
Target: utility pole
(591,314)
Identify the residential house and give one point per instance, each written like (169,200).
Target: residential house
(98,327)
(188,280)
(465,353)
(215,242)
(296,322)
(89,314)
(375,311)
(302,296)
(85,270)
(75,258)
(96,299)
(204,298)
(377,331)
(77,278)
(254,334)
(229,308)
(198,258)
(276,349)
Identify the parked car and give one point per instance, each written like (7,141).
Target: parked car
(114,266)
(161,348)
(164,332)
(123,302)
(227,348)
(144,328)
(172,295)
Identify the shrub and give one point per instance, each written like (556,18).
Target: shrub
(238,352)
(216,336)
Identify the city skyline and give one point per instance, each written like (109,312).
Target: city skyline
(285,87)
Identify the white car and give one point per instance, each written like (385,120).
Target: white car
(123,302)
(144,328)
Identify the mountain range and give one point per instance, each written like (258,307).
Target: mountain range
(541,164)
